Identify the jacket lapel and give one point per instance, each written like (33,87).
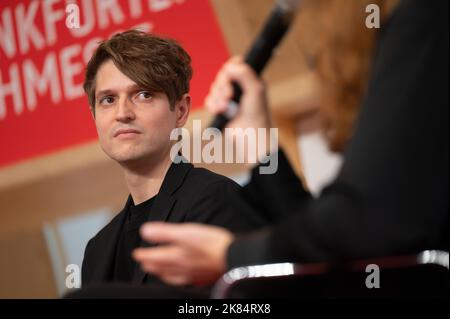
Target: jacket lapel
(163,205)
(104,255)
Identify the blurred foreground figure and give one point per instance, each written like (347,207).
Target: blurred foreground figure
(391,195)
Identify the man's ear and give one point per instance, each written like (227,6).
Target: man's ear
(183,107)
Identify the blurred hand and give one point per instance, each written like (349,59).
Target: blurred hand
(253,110)
(253,105)
(189,253)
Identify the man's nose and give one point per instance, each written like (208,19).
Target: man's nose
(125,112)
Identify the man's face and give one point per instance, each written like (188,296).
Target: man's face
(133,124)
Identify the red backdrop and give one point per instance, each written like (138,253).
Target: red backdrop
(42,105)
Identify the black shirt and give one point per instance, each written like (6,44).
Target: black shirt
(124,265)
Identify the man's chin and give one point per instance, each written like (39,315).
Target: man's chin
(129,160)
(135,160)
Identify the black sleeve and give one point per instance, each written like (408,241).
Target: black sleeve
(276,195)
(219,203)
(391,196)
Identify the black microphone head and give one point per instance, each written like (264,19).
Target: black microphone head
(260,52)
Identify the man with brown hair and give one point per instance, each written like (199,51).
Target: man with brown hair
(138,89)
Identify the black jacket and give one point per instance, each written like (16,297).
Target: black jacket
(391,196)
(187,194)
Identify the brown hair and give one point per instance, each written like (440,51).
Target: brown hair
(343,58)
(157,64)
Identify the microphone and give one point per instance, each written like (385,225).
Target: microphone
(260,52)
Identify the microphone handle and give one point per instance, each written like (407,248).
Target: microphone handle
(221,120)
(257,58)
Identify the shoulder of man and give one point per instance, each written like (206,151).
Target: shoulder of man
(202,177)
(217,200)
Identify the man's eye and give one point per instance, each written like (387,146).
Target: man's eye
(144,95)
(107,100)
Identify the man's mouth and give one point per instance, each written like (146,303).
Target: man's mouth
(124,133)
